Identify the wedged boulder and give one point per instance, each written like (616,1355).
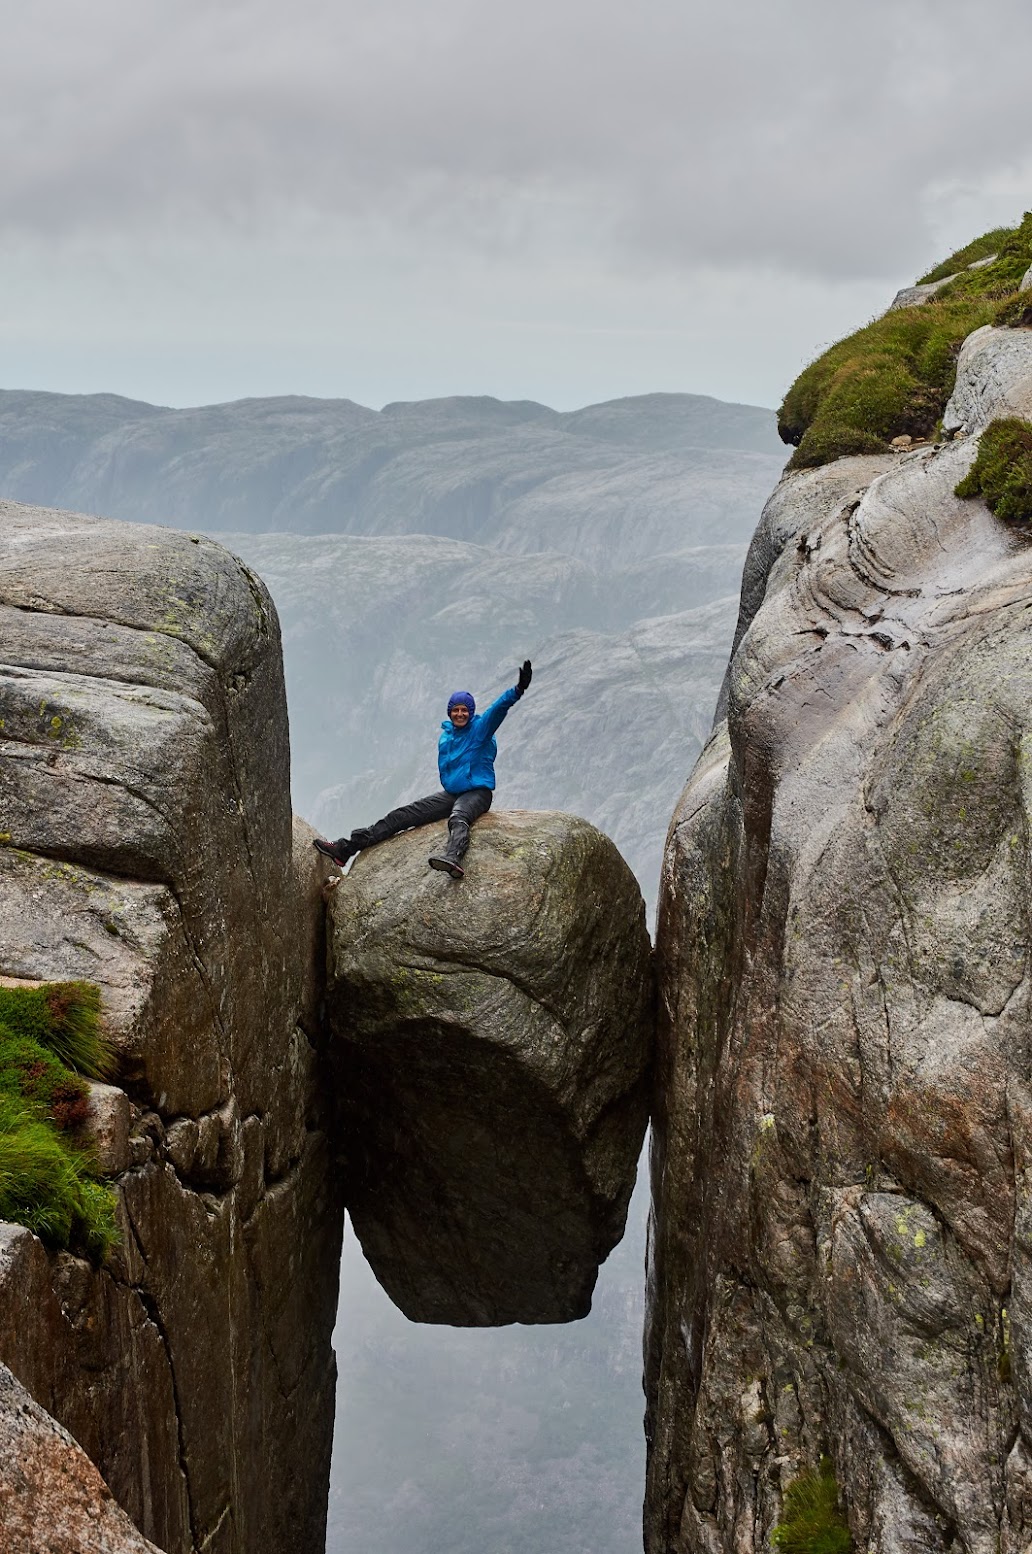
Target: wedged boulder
(493,1039)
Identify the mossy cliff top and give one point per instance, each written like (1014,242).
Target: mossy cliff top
(893,377)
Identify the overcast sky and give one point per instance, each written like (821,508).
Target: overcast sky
(564,200)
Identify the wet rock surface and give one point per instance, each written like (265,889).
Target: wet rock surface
(147,847)
(840,1259)
(494,1039)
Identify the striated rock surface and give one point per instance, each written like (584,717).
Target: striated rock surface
(147,847)
(494,1038)
(52,1499)
(841,1255)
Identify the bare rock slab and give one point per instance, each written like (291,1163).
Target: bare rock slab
(494,1042)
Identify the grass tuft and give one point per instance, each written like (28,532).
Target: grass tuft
(1016,313)
(49,1037)
(893,377)
(28,1070)
(1002,471)
(64,1017)
(980,248)
(813,1523)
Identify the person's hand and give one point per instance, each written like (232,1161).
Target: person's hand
(525,676)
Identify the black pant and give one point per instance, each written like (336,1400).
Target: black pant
(459,809)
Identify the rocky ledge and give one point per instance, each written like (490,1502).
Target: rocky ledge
(842,1248)
(495,1037)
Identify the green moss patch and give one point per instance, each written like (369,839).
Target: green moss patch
(1002,471)
(50,1037)
(813,1523)
(893,377)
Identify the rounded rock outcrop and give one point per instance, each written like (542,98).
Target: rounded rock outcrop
(493,1039)
(145,847)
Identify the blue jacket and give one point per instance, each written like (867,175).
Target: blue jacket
(466,756)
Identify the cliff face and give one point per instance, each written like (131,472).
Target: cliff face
(148,848)
(840,1257)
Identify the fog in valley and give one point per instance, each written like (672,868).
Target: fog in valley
(412,551)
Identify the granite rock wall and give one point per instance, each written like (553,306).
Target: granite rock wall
(467,1067)
(840,1252)
(51,1496)
(147,846)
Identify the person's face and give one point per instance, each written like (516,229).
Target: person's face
(459,716)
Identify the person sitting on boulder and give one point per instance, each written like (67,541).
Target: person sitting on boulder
(466,753)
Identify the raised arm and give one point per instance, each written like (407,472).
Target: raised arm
(492,718)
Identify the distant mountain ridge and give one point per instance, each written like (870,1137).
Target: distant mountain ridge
(466,467)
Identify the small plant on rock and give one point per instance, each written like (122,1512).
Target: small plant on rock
(50,1037)
(813,1523)
(1002,471)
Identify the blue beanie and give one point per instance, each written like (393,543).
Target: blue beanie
(462,699)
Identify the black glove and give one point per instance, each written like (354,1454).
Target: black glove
(525,676)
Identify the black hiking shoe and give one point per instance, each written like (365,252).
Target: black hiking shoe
(340,851)
(448,866)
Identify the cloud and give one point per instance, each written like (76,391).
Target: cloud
(797,135)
